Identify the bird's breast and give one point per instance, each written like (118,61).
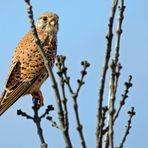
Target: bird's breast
(32,63)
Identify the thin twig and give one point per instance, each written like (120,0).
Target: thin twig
(119,31)
(114,80)
(48,109)
(51,75)
(53,123)
(103,76)
(37,119)
(80,81)
(74,95)
(124,96)
(64,101)
(104,112)
(128,84)
(111,106)
(115,73)
(61,70)
(128,127)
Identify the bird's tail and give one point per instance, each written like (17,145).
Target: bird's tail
(11,95)
(9,98)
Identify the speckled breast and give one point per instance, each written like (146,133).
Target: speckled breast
(31,62)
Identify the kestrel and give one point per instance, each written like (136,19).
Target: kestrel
(27,71)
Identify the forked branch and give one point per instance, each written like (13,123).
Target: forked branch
(37,119)
(62,72)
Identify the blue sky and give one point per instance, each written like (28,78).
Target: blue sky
(82,30)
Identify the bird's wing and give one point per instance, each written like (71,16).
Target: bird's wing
(13,88)
(27,65)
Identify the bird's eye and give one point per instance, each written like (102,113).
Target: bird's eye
(44,18)
(53,22)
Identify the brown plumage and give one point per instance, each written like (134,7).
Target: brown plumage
(27,71)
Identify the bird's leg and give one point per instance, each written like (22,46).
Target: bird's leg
(38,95)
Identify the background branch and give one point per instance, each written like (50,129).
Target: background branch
(128,84)
(114,80)
(109,37)
(128,127)
(80,81)
(53,123)
(62,72)
(37,119)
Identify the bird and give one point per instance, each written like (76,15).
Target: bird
(27,70)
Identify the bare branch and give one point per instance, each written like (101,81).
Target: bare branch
(114,79)
(36,119)
(51,75)
(104,112)
(128,126)
(23,114)
(103,75)
(48,109)
(128,84)
(119,31)
(66,79)
(61,70)
(53,123)
(80,81)
(112,93)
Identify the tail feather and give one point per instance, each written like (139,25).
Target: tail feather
(9,98)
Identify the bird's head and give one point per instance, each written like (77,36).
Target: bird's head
(48,22)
